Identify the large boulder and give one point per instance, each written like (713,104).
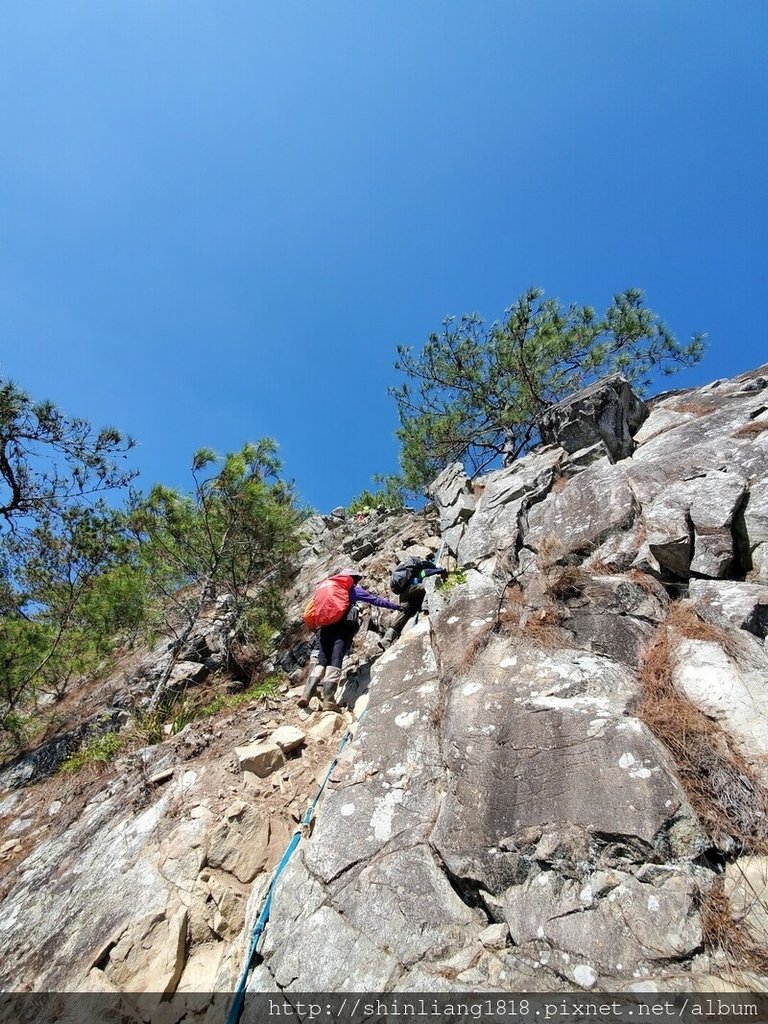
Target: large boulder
(740,605)
(478,784)
(455,501)
(260,758)
(578,517)
(508,493)
(752,530)
(732,693)
(607,411)
(690,523)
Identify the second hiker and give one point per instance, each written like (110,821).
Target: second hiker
(407,580)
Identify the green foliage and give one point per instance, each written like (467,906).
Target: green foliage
(476,393)
(258,620)
(48,459)
(58,538)
(23,646)
(454,578)
(154,726)
(78,577)
(389,496)
(237,533)
(267,688)
(71,593)
(168,718)
(148,726)
(116,606)
(99,751)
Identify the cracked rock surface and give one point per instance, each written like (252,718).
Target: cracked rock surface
(504,817)
(501,777)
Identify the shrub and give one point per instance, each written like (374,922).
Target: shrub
(97,752)
(454,578)
(367,501)
(267,688)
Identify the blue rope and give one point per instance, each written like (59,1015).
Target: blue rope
(261,922)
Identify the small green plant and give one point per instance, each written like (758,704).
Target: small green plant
(454,578)
(219,702)
(390,497)
(99,751)
(153,726)
(267,688)
(148,727)
(182,714)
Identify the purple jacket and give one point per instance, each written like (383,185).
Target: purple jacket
(358,594)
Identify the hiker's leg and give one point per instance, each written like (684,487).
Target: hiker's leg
(315,675)
(331,681)
(343,637)
(411,600)
(344,633)
(321,652)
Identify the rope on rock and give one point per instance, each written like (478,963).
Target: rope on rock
(261,922)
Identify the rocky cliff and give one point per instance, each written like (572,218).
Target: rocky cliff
(559,780)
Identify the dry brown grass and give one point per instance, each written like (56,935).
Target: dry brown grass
(568,583)
(721,787)
(598,566)
(542,629)
(559,484)
(519,623)
(683,618)
(549,552)
(646,582)
(511,608)
(695,408)
(721,932)
(535,627)
(753,429)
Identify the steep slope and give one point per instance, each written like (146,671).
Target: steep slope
(136,877)
(503,775)
(517,810)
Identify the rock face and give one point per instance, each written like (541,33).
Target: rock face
(501,778)
(453,494)
(508,816)
(607,412)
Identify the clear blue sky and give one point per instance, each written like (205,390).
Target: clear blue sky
(217,219)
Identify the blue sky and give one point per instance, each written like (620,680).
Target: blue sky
(217,220)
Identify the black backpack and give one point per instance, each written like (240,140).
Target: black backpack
(405,572)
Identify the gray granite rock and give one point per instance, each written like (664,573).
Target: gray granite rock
(501,819)
(608,411)
(733,603)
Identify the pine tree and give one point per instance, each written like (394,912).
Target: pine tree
(476,394)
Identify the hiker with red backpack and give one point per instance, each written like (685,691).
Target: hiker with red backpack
(334,613)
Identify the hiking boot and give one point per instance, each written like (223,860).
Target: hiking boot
(389,638)
(330,682)
(314,678)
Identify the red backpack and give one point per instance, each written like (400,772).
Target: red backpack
(329,603)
